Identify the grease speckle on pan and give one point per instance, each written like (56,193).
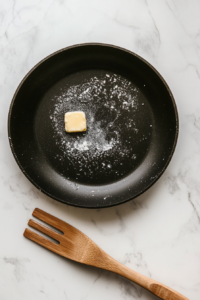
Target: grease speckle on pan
(96,141)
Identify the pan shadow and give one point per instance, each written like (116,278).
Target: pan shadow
(109,215)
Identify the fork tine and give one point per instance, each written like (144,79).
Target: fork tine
(41,240)
(49,219)
(44,229)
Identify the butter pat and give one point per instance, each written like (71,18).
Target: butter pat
(75,121)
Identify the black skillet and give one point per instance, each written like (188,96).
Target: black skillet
(132,125)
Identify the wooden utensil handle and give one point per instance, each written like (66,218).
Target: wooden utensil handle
(149,284)
(164,292)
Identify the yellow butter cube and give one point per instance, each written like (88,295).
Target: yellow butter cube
(75,121)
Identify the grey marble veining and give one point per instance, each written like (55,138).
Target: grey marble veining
(157,234)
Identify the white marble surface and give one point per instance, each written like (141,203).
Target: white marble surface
(157,234)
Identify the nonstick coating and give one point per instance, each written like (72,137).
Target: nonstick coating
(143,132)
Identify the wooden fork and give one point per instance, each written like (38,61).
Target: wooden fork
(75,245)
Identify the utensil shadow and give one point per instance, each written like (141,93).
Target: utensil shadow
(127,288)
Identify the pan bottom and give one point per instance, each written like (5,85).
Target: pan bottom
(119,127)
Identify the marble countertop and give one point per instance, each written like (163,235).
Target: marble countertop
(157,234)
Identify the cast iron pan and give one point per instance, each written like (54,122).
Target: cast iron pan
(132,125)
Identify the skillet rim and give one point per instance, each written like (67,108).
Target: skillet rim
(104,45)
